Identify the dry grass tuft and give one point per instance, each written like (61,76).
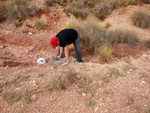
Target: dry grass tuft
(140,19)
(105,53)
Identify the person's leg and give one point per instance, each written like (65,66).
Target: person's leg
(77,50)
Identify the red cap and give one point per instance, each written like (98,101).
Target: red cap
(54,42)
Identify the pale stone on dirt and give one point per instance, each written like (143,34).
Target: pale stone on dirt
(33,97)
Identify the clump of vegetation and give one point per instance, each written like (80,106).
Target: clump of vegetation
(27,97)
(73,77)
(135,2)
(122,36)
(20,9)
(77,9)
(147,43)
(104,8)
(48,3)
(55,83)
(3,13)
(40,23)
(11,98)
(140,19)
(105,53)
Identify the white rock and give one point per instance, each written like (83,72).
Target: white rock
(33,97)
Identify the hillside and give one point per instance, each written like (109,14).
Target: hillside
(121,85)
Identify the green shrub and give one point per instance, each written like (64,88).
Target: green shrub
(20,9)
(105,53)
(140,19)
(122,36)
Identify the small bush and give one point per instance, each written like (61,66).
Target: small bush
(122,36)
(11,98)
(84,81)
(39,24)
(54,83)
(91,34)
(102,9)
(48,3)
(105,53)
(141,19)
(77,9)
(71,76)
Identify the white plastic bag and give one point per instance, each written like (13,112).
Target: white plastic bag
(41,61)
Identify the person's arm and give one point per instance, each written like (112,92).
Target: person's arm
(66,56)
(61,50)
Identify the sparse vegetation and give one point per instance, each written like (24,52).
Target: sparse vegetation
(130,101)
(39,24)
(91,103)
(16,81)
(114,72)
(84,81)
(27,97)
(141,19)
(71,76)
(11,97)
(128,61)
(54,83)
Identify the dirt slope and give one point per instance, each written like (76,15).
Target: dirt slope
(122,86)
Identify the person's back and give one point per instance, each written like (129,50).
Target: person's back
(67,36)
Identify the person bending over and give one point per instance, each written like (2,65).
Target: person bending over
(63,39)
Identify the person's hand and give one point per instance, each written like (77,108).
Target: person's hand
(59,57)
(64,64)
